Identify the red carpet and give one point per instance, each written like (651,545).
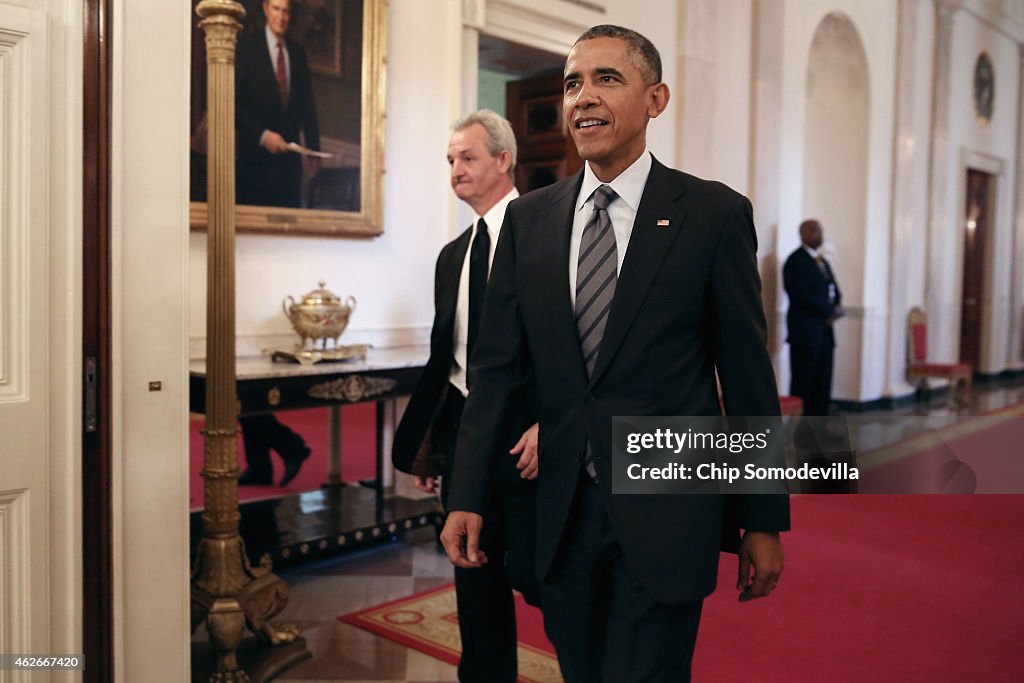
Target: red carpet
(881,588)
(358,452)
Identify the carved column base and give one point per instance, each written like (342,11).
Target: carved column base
(257,662)
(258,595)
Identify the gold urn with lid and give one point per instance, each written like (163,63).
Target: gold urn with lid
(321,315)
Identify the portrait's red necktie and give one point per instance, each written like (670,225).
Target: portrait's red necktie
(282,74)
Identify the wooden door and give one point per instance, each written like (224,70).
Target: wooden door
(546,151)
(978,213)
(97,511)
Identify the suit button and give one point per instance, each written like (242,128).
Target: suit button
(589,398)
(578,456)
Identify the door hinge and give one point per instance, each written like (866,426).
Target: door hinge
(89,402)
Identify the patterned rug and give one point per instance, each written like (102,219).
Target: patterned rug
(427,622)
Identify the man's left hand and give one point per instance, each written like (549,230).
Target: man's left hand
(526,449)
(762,552)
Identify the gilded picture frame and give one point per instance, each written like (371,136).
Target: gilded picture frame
(340,195)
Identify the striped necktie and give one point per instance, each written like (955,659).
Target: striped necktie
(595,277)
(595,288)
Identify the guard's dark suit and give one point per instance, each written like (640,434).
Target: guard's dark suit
(267,179)
(813,298)
(425,445)
(687,302)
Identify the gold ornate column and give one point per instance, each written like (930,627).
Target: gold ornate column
(226,590)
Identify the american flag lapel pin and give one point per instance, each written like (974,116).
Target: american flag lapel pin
(663,222)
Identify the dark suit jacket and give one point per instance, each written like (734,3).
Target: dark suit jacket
(809,304)
(687,302)
(418,443)
(265,178)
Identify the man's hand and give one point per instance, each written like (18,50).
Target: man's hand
(461,539)
(762,551)
(425,484)
(273,142)
(526,449)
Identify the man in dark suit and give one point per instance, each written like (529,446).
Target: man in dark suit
(482,156)
(814,304)
(608,331)
(273,107)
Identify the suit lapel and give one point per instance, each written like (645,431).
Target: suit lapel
(649,243)
(451,271)
(552,277)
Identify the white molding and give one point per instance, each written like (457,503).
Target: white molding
(1004,16)
(543,24)
(24,178)
(15,605)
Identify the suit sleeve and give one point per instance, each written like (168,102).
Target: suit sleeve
(248,127)
(741,354)
(423,403)
(497,372)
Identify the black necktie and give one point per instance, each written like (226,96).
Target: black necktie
(478,254)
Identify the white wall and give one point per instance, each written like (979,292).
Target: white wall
(713,101)
(991,147)
(149,223)
(909,237)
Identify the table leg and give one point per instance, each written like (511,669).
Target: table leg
(385,439)
(378,482)
(333,447)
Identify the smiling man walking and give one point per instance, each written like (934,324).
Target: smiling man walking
(624,290)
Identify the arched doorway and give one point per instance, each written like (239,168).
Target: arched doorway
(835,173)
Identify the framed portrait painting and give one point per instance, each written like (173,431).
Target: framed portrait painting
(309,118)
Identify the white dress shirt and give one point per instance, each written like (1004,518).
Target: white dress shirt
(629,186)
(493,218)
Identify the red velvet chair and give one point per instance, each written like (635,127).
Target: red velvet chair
(919,370)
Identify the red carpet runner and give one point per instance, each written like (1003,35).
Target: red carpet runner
(358,448)
(882,588)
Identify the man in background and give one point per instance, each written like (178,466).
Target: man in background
(814,305)
(273,107)
(482,157)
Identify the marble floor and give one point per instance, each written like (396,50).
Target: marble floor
(325,589)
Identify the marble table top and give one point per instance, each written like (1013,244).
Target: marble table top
(262,367)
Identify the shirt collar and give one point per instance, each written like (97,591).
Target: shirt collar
(496,214)
(628,185)
(272,40)
(814,253)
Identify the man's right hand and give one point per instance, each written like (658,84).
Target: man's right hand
(425,484)
(461,539)
(273,142)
